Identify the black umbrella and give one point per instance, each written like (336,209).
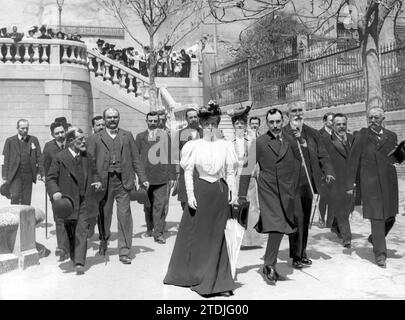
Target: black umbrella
(102,250)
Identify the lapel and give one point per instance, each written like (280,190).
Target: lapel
(273,144)
(384,139)
(104,136)
(67,160)
(121,135)
(283,149)
(85,166)
(15,144)
(339,146)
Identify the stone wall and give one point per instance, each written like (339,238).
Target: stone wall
(23,99)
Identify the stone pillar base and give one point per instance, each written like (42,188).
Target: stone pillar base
(28,258)
(8,262)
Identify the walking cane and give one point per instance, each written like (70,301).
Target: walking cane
(310,185)
(46,215)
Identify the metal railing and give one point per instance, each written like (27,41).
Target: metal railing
(275,82)
(231,84)
(333,78)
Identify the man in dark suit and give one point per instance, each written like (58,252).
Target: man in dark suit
(98,124)
(22,164)
(326,133)
(319,167)
(154,148)
(340,203)
(51,149)
(191,132)
(278,182)
(117,160)
(378,179)
(73,175)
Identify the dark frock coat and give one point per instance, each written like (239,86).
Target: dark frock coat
(277,183)
(62,177)
(11,162)
(316,157)
(378,176)
(339,156)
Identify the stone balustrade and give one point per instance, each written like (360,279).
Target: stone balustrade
(117,75)
(42,51)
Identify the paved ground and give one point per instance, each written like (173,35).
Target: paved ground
(337,273)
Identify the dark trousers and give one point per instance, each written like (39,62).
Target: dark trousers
(299,239)
(21,188)
(272,248)
(77,233)
(183,204)
(379,230)
(62,240)
(124,216)
(340,211)
(324,202)
(155,215)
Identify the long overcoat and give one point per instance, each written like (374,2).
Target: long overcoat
(62,177)
(378,176)
(277,183)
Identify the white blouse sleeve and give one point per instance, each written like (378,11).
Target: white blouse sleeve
(187,162)
(231,164)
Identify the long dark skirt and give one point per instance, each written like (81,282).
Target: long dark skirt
(200,258)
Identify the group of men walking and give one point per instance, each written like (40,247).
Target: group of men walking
(298,163)
(84,176)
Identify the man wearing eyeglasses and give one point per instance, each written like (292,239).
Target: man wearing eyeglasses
(319,168)
(154,146)
(378,179)
(117,161)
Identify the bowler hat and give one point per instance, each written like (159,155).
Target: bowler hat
(140,195)
(63,207)
(100,41)
(43,28)
(5,190)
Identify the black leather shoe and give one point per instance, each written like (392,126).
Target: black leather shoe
(64,257)
(270,275)
(381,261)
(148,233)
(160,240)
(370,239)
(306,261)
(125,259)
(297,264)
(79,269)
(347,244)
(226,294)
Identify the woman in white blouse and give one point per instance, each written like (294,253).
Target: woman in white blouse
(200,259)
